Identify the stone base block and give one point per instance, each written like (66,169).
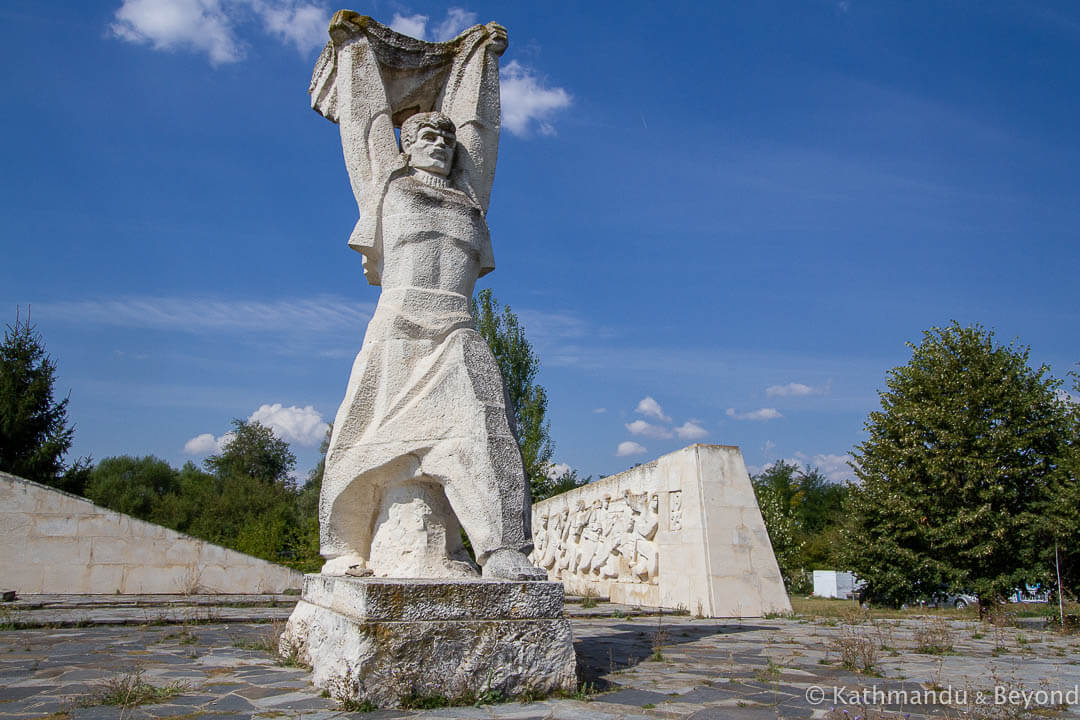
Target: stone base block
(382,639)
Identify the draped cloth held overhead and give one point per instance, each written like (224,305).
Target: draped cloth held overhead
(369,78)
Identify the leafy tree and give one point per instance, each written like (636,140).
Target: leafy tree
(782,480)
(528,401)
(969,450)
(783,529)
(307,509)
(1060,515)
(196,492)
(822,501)
(131,485)
(802,511)
(558,485)
(779,498)
(247,502)
(34,432)
(254,501)
(253,451)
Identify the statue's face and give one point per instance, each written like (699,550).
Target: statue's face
(433,151)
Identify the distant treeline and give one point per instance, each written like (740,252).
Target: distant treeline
(243,498)
(803,513)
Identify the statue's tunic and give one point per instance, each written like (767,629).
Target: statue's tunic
(425,398)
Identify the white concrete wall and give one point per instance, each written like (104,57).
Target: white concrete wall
(54,542)
(712,553)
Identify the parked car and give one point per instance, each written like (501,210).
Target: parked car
(953,600)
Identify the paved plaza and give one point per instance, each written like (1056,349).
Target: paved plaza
(210,658)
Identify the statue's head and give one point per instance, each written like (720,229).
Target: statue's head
(428,141)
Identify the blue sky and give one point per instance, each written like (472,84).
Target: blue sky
(719,222)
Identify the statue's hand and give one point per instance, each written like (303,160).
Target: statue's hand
(499,39)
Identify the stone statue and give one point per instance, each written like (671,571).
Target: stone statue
(423,439)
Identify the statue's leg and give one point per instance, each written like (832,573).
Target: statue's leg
(474,472)
(343,499)
(349,507)
(488,490)
(345,509)
(474,475)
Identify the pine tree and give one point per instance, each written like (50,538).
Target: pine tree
(34,432)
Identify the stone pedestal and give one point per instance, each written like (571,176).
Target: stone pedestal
(382,639)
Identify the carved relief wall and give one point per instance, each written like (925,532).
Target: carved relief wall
(609,538)
(681,531)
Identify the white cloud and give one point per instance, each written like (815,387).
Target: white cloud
(761,414)
(200,25)
(318,314)
(798,461)
(651,408)
(211,26)
(1067,397)
(640,427)
(629,447)
(691,430)
(456,20)
(206,443)
(557,470)
(201,445)
(302,24)
(834,467)
(525,100)
(794,389)
(791,389)
(411,25)
(303,426)
(599,411)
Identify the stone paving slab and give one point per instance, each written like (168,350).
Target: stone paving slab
(53,601)
(84,610)
(635,666)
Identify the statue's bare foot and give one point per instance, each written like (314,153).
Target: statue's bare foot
(509,564)
(346,565)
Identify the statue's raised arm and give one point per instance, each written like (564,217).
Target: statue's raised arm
(370,79)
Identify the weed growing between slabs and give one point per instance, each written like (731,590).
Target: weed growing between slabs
(130,690)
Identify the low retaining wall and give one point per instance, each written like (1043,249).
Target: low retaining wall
(683,531)
(55,542)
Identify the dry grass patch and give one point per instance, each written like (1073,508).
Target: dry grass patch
(857,651)
(935,637)
(129,690)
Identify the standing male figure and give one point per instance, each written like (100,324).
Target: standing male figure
(423,439)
